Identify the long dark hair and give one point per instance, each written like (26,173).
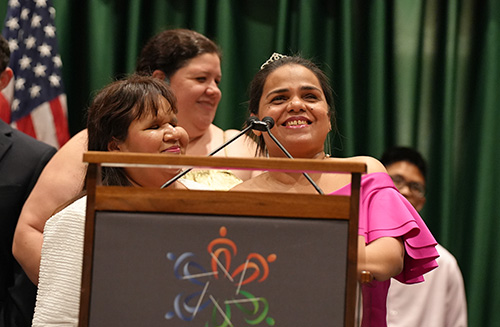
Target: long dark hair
(113,110)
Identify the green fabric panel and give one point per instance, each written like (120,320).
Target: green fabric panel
(346,73)
(103,22)
(482,137)
(378,54)
(449,107)
(3,12)
(407,53)
(282,26)
(233,52)
(133,45)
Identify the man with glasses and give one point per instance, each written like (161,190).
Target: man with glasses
(440,300)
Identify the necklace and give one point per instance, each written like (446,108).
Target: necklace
(321,155)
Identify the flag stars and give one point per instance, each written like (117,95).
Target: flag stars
(30,42)
(55,80)
(39,70)
(13,45)
(14,3)
(30,29)
(19,84)
(25,62)
(25,13)
(57,61)
(15,104)
(36,20)
(35,91)
(50,31)
(41,3)
(52,12)
(44,50)
(12,23)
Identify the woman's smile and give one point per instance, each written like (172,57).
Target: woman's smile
(297,122)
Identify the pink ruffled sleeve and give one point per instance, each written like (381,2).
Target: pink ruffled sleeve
(384,212)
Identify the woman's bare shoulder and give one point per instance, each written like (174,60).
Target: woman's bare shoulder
(241,147)
(372,164)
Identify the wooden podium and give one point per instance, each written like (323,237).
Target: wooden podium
(160,257)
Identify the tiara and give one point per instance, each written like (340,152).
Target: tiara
(274,57)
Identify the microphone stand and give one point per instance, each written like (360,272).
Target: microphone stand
(290,156)
(252,123)
(184,172)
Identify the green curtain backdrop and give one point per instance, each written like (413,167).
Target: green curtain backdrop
(406,72)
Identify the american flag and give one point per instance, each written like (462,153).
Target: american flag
(34,102)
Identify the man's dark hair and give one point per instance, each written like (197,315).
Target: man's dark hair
(4,53)
(396,154)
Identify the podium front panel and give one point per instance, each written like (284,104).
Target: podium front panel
(174,269)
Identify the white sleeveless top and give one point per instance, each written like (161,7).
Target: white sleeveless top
(59,283)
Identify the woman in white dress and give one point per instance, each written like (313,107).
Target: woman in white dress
(137,114)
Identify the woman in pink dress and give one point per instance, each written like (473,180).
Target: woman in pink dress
(393,239)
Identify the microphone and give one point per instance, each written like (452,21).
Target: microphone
(250,123)
(267,123)
(262,125)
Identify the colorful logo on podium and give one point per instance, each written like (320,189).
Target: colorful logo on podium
(222,288)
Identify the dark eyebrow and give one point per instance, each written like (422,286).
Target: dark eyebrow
(276,91)
(303,88)
(308,87)
(205,72)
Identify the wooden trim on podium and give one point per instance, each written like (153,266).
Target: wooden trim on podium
(281,164)
(113,198)
(256,204)
(93,180)
(352,265)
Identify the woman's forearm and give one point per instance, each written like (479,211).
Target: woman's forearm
(27,249)
(383,258)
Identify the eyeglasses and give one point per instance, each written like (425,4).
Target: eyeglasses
(415,188)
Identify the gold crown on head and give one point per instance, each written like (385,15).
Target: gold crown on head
(274,57)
